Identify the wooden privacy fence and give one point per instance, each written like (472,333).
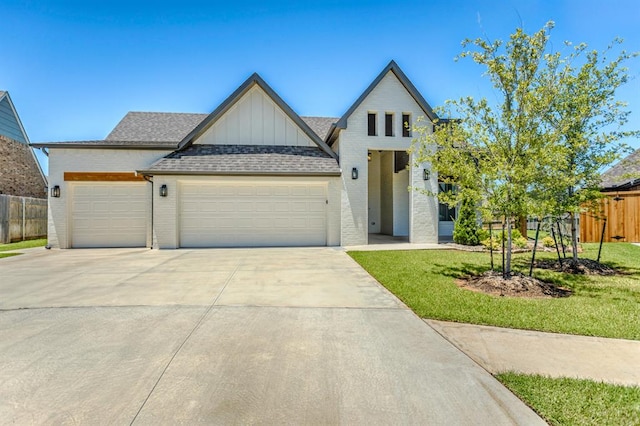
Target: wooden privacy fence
(22,218)
(622,211)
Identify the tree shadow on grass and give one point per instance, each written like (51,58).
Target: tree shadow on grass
(459,271)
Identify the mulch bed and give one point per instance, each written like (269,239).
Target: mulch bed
(582,266)
(518,285)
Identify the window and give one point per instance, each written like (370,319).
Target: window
(388,124)
(371,119)
(446,213)
(406,125)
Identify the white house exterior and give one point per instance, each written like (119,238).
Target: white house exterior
(251,173)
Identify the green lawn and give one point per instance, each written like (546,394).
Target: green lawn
(576,402)
(20,245)
(600,306)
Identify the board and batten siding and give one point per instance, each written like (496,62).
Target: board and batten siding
(255,120)
(87,160)
(389,96)
(9,125)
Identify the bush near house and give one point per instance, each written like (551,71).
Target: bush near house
(465,230)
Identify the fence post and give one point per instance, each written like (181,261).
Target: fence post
(24,218)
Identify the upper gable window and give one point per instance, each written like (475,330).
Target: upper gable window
(371,124)
(406,125)
(388,124)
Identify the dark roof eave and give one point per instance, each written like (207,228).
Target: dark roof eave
(622,186)
(227,173)
(53,145)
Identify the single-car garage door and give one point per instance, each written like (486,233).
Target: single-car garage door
(247,214)
(109,214)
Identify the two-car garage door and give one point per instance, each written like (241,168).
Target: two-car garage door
(236,214)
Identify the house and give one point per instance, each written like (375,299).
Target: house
(250,173)
(20,172)
(620,206)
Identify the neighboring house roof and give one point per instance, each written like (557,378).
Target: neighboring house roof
(395,69)
(109,144)
(320,125)
(155,126)
(204,159)
(249,83)
(11,126)
(625,174)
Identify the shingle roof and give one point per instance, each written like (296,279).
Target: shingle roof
(320,125)
(625,173)
(155,126)
(246,160)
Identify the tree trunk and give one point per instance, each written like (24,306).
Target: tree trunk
(574,236)
(507,269)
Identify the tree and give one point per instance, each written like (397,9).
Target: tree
(581,115)
(465,229)
(491,153)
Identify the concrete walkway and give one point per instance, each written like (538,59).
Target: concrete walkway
(245,336)
(498,350)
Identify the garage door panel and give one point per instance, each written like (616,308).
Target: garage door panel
(256,214)
(109,215)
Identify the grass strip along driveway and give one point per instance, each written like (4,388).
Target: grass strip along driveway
(20,245)
(605,306)
(568,401)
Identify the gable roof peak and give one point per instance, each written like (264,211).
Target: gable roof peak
(248,84)
(392,66)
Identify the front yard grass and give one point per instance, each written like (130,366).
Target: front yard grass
(606,306)
(20,245)
(565,401)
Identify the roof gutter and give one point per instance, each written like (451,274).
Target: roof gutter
(234,173)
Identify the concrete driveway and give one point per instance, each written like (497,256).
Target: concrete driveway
(286,336)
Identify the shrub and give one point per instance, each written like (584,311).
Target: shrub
(520,242)
(465,230)
(483,234)
(487,243)
(548,242)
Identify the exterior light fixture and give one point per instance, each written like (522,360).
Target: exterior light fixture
(55,191)
(163,190)
(369,156)
(354,173)
(425,174)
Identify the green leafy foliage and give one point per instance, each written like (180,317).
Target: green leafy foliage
(539,148)
(465,230)
(520,242)
(548,242)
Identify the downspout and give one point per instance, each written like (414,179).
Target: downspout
(148,179)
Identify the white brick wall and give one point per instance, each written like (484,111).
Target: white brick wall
(389,96)
(86,160)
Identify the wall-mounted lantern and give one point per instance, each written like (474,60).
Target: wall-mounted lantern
(55,191)
(163,190)
(354,173)
(425,174)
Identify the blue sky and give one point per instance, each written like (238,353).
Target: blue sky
(74,68)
